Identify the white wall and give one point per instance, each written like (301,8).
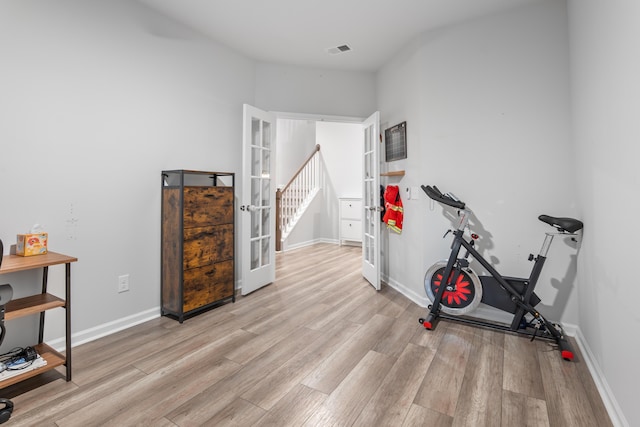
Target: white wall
(97,99)
(295,141)
(605,65)
(342,150)
(314,91)
(487,110)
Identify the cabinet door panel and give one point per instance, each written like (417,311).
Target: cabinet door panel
(207,245)
(351,209)
(207,206)
(207,284)
(351,230)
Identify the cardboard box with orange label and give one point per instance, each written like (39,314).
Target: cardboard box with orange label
(31,244)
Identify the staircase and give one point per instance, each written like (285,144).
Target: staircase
(293,199)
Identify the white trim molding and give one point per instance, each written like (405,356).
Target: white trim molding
(286,247)
(105,329)
(613,408)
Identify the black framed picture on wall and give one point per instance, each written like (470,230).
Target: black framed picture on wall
(395,142)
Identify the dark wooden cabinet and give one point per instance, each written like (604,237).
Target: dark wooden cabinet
(197,241)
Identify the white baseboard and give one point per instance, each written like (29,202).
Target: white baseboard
(609,400)
(286,247)
(421,300)
(105,329)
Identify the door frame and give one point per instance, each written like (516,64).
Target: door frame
(344,119)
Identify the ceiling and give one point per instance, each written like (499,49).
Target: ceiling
(299,32)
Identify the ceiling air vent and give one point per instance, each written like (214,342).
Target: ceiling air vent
(339,49)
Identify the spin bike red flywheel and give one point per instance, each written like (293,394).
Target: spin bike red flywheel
(462,295)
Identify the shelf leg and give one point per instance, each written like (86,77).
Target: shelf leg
(45,277)
(67,291)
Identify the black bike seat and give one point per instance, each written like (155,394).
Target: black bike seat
(563,224)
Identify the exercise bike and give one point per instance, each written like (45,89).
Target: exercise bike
(455,290)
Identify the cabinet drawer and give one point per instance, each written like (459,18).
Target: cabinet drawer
(207,206)
(351,209)
(207,245)
(351,230)
(206,285)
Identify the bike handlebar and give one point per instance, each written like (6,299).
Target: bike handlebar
(447,198)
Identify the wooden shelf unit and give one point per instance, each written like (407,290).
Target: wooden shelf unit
(53,358)
(39,304)
(31,305)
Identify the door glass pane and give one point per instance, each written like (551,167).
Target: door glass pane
(255,191)
(365,251)
(255,224)
(265,250)
(266,155)
(266,194)
(365,166)
(367,141)
(255,254)
(255,132)
(266,134)
(255,162)
(371,248)
(371,194)
(366,199)
(266,221)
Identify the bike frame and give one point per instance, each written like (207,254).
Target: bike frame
(521,300)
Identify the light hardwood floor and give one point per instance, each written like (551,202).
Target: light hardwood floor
(318,347)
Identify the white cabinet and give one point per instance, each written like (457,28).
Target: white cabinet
(350,220)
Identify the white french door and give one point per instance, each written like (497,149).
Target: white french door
(371,205)
(258,199)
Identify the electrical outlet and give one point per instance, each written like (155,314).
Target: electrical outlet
(123,283)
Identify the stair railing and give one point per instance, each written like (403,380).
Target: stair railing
(291,200)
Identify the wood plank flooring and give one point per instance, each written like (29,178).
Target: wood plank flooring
(319,347)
